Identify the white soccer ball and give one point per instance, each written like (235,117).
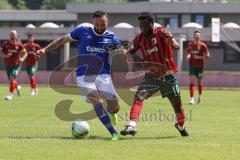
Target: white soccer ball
(80,129)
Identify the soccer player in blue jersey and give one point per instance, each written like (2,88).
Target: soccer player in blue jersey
(93,72)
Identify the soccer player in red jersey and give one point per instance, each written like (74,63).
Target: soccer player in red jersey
(14,54)
(197,53)
(31,62)
(156,45)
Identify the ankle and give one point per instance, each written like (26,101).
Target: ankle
(132,123)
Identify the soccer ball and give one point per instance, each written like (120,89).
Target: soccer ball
(80,129)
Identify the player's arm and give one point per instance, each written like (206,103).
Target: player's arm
(131,52)
(23,54)
(121,51)
(2,54)
(207,55)
(188,53)
(188,56)
(170,40)
(55,44)
(117,47)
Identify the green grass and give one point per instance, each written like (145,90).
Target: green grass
(30,130)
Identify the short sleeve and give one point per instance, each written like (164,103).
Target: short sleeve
(205,49)
(4,48)
(134,46)
(21,47)
(165,32)
(189,47)
(116,41)
(76,33)
(38,47)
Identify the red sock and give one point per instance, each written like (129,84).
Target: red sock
(191,90)
(12,86)
(33,82)
(136,110)
(200,88)
(180,118)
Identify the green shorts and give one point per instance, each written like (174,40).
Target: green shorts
(32,70)
(167,85)
(13,71)
(198,72)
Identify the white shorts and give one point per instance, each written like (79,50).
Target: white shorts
(100,83)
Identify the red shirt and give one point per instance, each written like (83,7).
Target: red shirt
(31,59)
(14,48)
(195,49)
(155,51)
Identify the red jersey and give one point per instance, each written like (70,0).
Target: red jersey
(155,51)
(14,48)
(199,50)
(31,49)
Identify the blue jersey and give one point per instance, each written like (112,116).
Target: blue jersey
(93,50)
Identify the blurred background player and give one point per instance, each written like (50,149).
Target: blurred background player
(31,62)
(14,54)
(95,80)
(197,52)
(156,45)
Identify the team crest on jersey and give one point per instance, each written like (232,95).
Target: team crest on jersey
(106,40)
(154,40)
(88,37)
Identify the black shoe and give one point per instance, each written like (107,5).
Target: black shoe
(183,132)
(129,130)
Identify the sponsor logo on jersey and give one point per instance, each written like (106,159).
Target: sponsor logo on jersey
(95,49)
(154,40)
(150,51)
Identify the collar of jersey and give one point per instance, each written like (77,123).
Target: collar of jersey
(97,33)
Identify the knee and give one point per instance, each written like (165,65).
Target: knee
(94,100)
(141,95)
(113,107)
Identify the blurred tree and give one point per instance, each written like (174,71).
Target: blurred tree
(33,4)
(18,4)
(60,4)
(55,4)
(5,5)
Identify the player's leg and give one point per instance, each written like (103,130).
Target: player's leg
(180,115)
(89,89)
(16,72)
(12,73)
(32,70)
(200,85)
(170,89)
(192,78)
(108,93)
(146,89)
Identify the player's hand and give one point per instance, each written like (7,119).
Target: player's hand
(40,52)
(188,57)
(21,60)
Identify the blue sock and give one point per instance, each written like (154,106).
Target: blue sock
(104,118)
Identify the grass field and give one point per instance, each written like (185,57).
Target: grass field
(30,130)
